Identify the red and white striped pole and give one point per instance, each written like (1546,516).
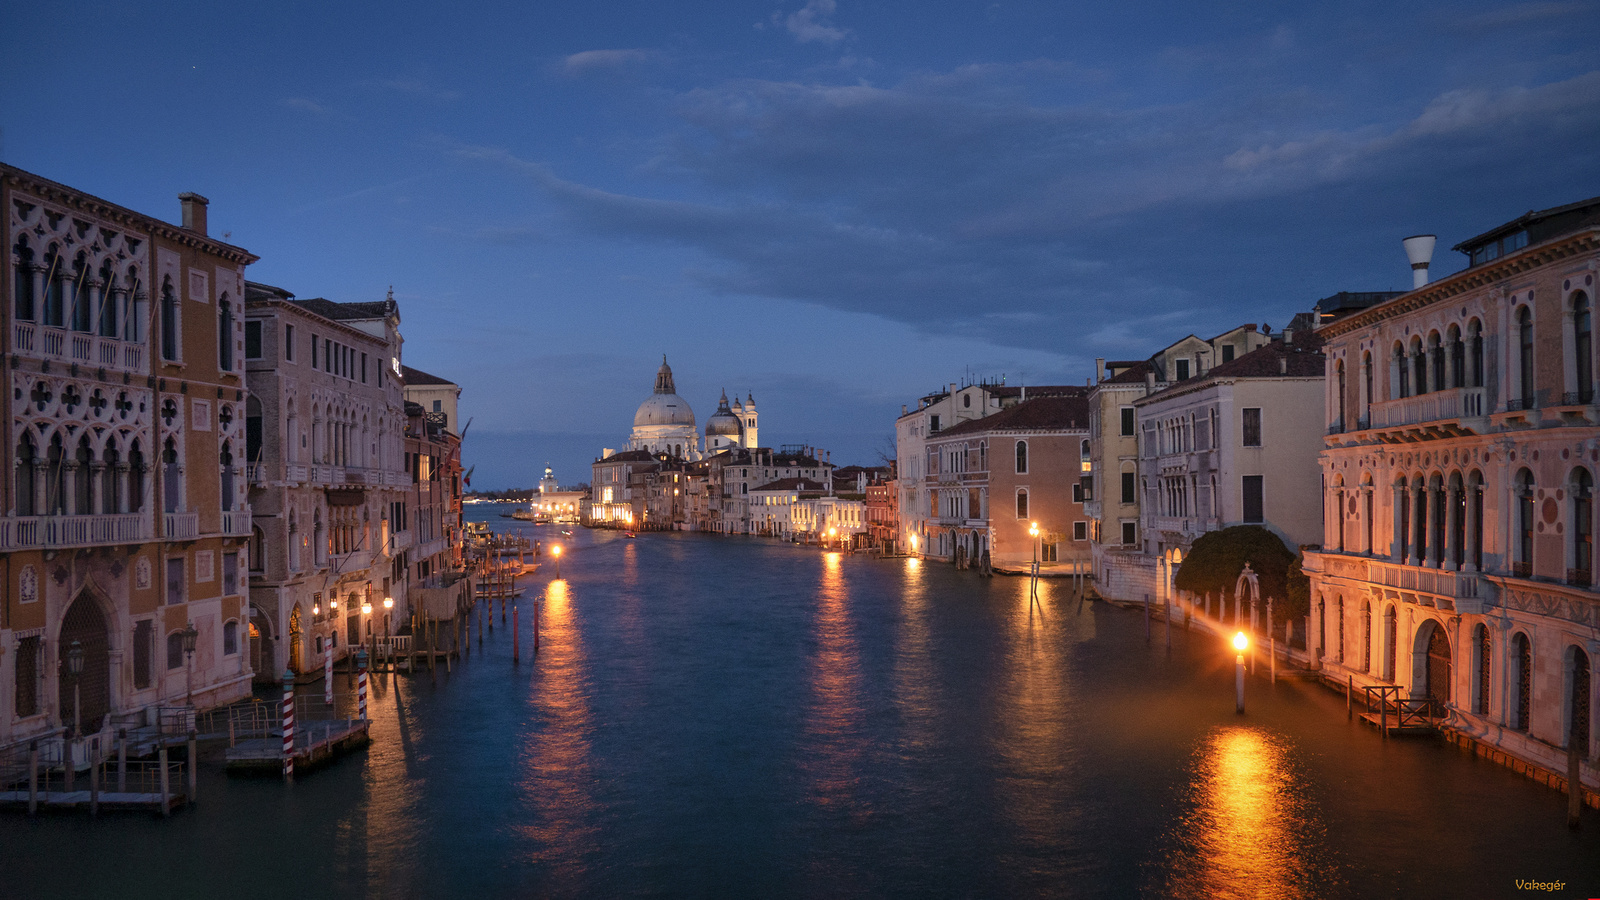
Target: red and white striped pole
(327,675)
(288,725)
(361,684)
(516,646)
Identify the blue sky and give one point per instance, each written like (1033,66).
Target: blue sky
(838,206)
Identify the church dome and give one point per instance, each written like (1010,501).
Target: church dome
(664,407)
(723,422)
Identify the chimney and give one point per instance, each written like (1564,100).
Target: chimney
(194,211)
(1099,368)
(1283,365)
(1419,249)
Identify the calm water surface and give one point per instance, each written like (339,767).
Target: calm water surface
(734,717)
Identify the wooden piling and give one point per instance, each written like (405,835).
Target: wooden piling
(166,792)
(1166,615)
(1147,618)
(1349,694)
(1574,784)
(516,644)
(122,761)
(69,764)
(33,778)
(94,783)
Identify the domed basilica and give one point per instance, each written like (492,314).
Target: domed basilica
(665,423)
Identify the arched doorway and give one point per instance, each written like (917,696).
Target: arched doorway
(1432,640)
(261,655)
(86,624)
(294,640)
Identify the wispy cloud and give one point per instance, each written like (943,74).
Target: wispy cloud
(305,104)
(590,61)
(812,22)
(414,87)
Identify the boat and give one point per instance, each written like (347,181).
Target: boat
(629,534)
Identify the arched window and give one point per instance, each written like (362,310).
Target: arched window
(1340,608)
(295,539)
(1525,357)
(1457,521)
(1022,503)
(108,302)
(134,306)
(169,321)
(1581,493)
(225,334)
(1522,562)
(1475,516)
(110,480)
(1022,457)
(136,470)
(1391,637)
(1419,367)
(1436,356)
(258,549)
(1458,358)
(171,478)
(1402,371)
(1475,353)
(1481,686)
(1366,389)
(225,458)
(22,280)
(1436,514)
(83,478)
(1366,635)
(1338,396)
(80,301)
(230,638)
(1583,347)
(1522,671)
(27,474)
(1402,503)
(252,430)
(1578,699)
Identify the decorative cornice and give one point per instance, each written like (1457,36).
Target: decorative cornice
(1501,270)
(71,198)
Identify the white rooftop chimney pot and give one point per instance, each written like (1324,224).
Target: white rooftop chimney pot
(1419,249)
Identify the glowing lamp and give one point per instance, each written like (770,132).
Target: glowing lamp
(388,603)
(1240,642)
(366,609)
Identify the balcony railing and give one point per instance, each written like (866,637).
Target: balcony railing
(1449,404)
(1442,582)
(1577,398)
(296,474)
(73,531)
(256,473)
(236,521)
(1189,525)
(180,525)
(33,339)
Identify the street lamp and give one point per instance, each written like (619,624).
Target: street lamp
(557,551)
(388,610)
(191,635)
(831,532)
(75,672)
(1033,584)
(1240,643)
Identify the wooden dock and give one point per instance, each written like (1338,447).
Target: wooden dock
(315,743)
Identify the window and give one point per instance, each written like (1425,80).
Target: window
(252,340)
(1130,533)
(1022,503)
(1047,552)
(288,342)
(1522,563)
(1227,353)
(174,581)
(230,573)
(174,651)
(363,368)
(1480,700)
(1180,370)
(1127,421)
(1250,416)
(169,320)
(1582,525)
(1522,660)
(438,406)
(1252,499)
(230,638)
(1525,356)
(28,677)
(225,334)
(1128,481)
(933,424)
(1080,531)
(1022,457)
(144,650)
(1077,493)
(313,351)
(1583,344)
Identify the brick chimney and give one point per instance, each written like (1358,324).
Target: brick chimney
(194,211)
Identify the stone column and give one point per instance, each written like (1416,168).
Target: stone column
(1399,538)
(1452,513)
(1470,532)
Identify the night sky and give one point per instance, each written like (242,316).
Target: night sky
(836,206)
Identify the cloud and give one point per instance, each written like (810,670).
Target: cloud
(414,87)
(590,61)
(1521,14)
(305,104)
(811,23)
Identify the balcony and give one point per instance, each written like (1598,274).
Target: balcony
(180,526)
(1189,526)
(49,532)
(236,521)
(40,341)
(295,474)
(1436,582)
(256,473)
(1448,413)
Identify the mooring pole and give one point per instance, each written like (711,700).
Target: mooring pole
(166,784)
(1147,618)
(361,686)
(33,778)
(516,636)
(288,726)
(194,767)
(1574,784)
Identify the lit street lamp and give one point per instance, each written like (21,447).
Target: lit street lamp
(1033,584)
(75,672)
(191,635)
(557,551)
(1240,642)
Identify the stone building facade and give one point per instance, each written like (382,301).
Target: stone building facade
(1463,444)
(125,517)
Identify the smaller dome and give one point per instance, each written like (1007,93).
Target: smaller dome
(723,422)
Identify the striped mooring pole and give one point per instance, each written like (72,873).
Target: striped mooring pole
(288,725)
(361,684)
(327,677)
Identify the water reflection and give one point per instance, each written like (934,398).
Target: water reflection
(555,779)
(1249,833)
(833,718)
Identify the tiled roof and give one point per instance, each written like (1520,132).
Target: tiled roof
(1042,390)
(630,456)
(791,484)
(1044,413)
(1304,357)
(1133,375)
(417,376)
(341,312)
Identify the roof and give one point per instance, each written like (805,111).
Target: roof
(792,484)
(1136,373)
(1569,217)
(414,377)
(345,312)
(630,456)
(1301,357)
(1041,390)
(1040,414)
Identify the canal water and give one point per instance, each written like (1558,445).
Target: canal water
(734,717)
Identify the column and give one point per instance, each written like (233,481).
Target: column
(1471,536)
(1452,513)
(1399,538)
(96,478)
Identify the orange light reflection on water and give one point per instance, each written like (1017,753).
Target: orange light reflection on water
(555,778)
(1247,833)
(833,720)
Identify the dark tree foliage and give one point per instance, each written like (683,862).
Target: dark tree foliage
(1216,560)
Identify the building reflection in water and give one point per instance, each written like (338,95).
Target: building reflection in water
(830,755)
(555,781)
(1248,832)
(915,677)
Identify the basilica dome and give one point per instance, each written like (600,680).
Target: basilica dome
(723,422)
(664,407)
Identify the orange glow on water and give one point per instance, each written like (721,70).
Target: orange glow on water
(833,719)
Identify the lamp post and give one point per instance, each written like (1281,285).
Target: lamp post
(831,532)
(1033,582)
(388,610)
(75,672)
(191,635)
(366,613)
(557,551)
(1240,642)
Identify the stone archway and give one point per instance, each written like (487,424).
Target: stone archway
(1432,666)
(262,658)
(86,624)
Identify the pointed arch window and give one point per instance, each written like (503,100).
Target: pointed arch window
(1022,457)
(22,280)
(27,474)
(1481,686)
(80,301)
(225,334)
(1525,356)
(169,321)
(1475,353)
(1522,563)
(1582,526)
(54,307)
(109,296)
(1583,347)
